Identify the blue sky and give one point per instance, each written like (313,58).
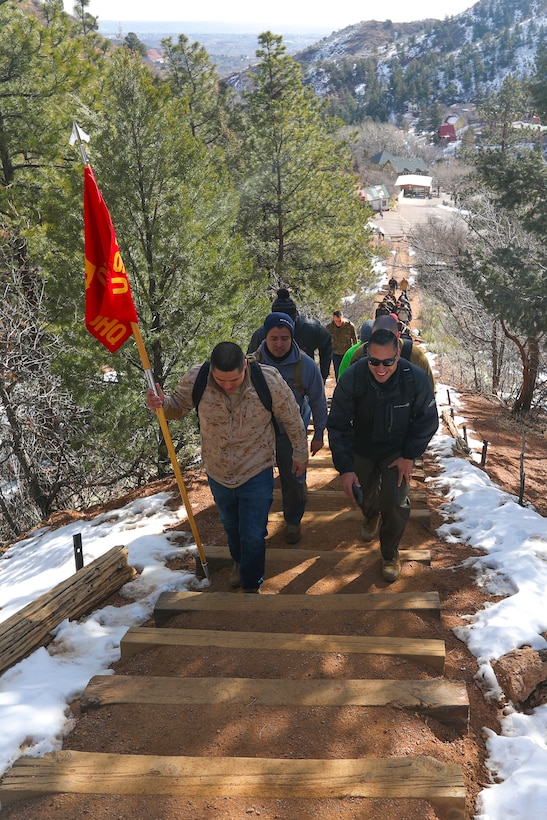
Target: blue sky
(286,12)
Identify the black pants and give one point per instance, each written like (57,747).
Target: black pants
(382,495)
(293,488)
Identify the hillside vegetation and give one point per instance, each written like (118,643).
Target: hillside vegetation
(380,70)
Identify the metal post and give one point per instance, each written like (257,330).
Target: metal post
(78,551)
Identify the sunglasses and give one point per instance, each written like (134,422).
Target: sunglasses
(385,362)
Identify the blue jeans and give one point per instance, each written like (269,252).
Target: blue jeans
(244,515)
(336,361)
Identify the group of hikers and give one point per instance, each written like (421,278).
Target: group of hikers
(254,410)
(400,305)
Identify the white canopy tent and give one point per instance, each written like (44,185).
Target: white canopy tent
(414,182)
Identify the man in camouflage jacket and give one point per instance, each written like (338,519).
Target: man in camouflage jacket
(343,335)
(238,449)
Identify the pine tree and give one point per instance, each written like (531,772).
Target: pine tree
(41,69)
(174,211)
(506,264)
(87,21)
(299,211)
(538,86)
(194,80)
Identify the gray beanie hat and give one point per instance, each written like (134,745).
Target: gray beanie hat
(366,330)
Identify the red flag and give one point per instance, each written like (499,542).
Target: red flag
(109,308)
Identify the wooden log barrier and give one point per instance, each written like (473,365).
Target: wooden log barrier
(461,443)
(30,628)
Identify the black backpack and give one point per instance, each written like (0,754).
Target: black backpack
(406,351)
(257,378)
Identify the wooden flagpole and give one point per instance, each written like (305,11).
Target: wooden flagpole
(170,448)
(78,136)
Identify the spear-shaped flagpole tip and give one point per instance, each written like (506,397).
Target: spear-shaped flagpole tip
(80,137)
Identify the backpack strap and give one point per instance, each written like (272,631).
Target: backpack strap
(258,381)
(406,351)
(260,385)
(297,376)
(200,383)
(359,353)
(263,391)
(296,381)
(408,378)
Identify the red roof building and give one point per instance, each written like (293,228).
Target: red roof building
(447,132)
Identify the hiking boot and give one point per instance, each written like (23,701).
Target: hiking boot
(370,528)
(391,569)
(292,533)
(235,577)
(249,590)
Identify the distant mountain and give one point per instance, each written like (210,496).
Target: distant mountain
(383,69)
(363,39)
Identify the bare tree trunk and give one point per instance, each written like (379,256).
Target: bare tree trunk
(497,357)
(37,419)
(529,354)
(522,473)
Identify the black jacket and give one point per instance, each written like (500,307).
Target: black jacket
(377,421)
(309,335)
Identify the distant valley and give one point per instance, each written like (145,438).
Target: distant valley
(232,48)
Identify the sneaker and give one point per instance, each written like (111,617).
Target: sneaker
(391,569)
(249,590)
(292,533)
(235,577)
(370,528)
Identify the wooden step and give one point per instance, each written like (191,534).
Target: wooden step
(170,604)
(359,554)
(70,772)
(445,701)
(329,516)
(417,496)
(218,557)
(427,651)
(325,462)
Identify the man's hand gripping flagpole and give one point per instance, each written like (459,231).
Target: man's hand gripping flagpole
(110,313)
(149,378)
